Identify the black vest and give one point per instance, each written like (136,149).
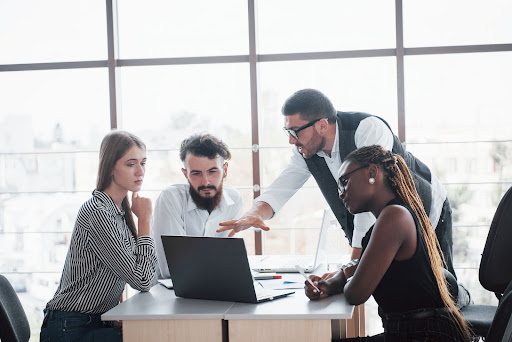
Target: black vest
(347,125)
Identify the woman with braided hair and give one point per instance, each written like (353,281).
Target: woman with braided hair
(400,264)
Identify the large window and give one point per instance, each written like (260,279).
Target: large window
(34,31)
(71,71)
(163,29)
(287,26)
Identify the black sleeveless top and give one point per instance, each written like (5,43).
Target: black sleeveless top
(407,284)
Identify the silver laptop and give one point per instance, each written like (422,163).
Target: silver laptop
(214,268)
(286,263)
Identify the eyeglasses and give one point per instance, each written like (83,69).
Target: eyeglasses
(294,133)
(342,182)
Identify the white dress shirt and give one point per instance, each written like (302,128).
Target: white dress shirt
(176,213)
(371,131)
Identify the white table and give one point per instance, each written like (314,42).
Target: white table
(158,315)
(293,318)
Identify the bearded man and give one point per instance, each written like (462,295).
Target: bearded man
(196,207)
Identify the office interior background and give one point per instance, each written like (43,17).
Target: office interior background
(439,72)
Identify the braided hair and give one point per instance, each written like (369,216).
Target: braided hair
(399,179)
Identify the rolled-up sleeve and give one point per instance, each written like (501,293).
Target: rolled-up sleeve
(289,181)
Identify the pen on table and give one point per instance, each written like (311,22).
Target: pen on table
(262,276)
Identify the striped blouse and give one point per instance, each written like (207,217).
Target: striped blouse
(103,256)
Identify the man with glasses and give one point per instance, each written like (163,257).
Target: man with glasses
(322,138)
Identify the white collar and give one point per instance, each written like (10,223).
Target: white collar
(335,146)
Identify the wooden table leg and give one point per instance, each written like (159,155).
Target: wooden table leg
(279,330)
(173,330)
(354,327)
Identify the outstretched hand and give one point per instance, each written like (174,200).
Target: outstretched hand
(247,221)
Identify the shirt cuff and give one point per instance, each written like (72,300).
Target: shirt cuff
(269,201)
(146,246)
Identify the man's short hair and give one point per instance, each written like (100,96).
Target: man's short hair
(204,145)
(311,104)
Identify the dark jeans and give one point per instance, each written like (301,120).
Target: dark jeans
(436,328)
(64,326)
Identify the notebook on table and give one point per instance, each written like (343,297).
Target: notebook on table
(286,263)
(213,268)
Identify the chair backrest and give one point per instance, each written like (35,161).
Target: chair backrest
(14,325)
(495,271)
(453,286)
(501,327)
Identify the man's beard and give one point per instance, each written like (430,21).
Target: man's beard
(206,203)
(316,144)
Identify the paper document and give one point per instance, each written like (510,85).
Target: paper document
(288,281)
(166,282)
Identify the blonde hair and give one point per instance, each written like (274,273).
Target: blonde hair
(400,181)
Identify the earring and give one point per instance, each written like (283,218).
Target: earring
(371,180)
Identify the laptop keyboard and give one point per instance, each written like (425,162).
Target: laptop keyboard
(281,262)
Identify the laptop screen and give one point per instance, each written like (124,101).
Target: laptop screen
(209,268)
(286,263)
